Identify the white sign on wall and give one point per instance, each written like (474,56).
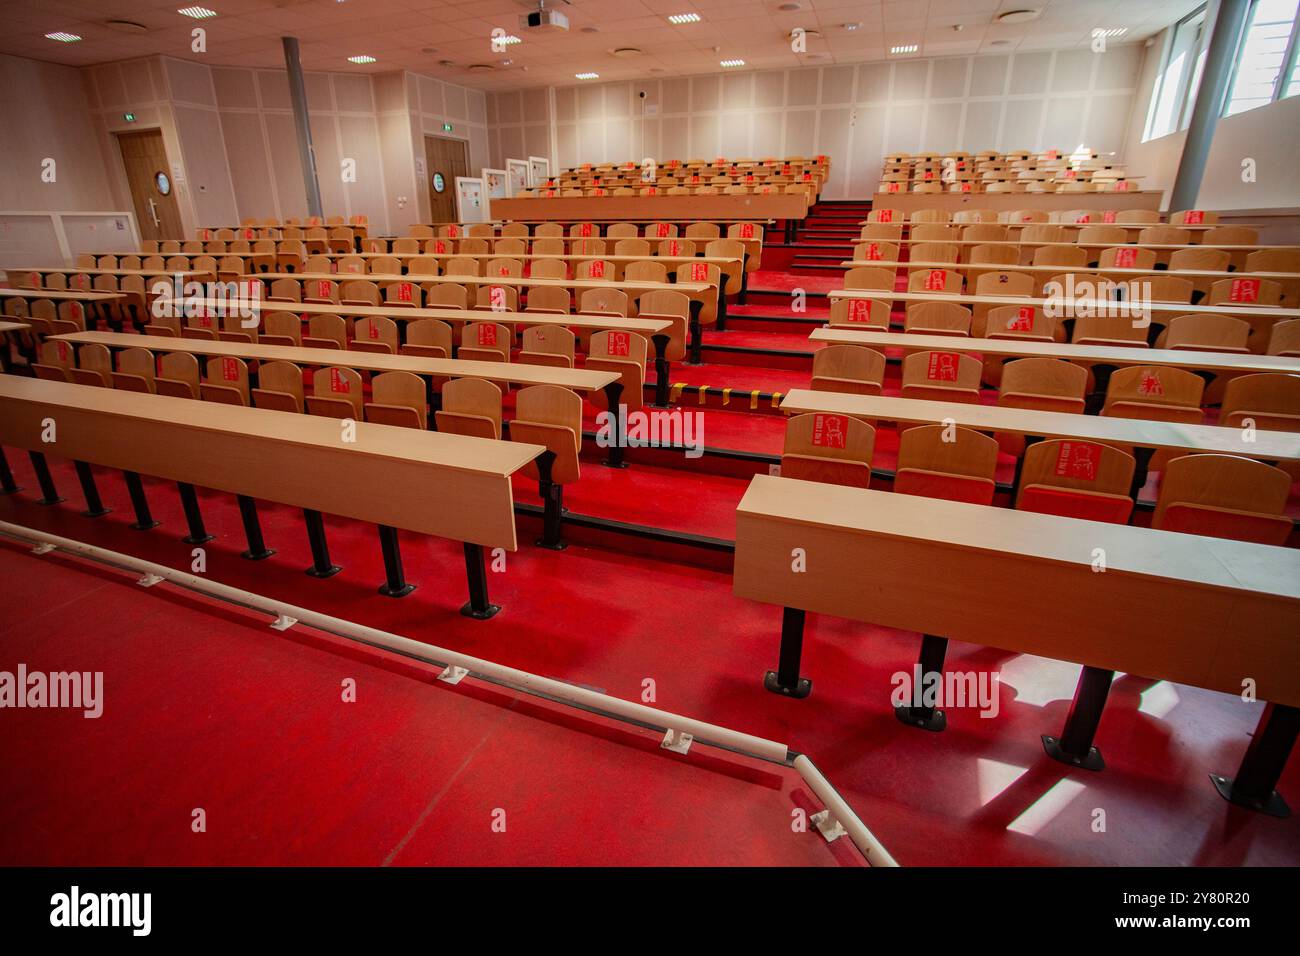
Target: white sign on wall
(471,202)
(517,174)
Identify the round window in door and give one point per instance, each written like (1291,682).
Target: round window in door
(439,184)
(162,182)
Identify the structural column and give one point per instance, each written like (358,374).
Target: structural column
(298,95)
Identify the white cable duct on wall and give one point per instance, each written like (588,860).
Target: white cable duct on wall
(703,733)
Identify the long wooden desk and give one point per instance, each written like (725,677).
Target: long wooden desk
(1102,358)
(61,295)
(445,485)
(1196,610)
(22,277)
(1260,317)
(1006,202)
(654,208)
(5,328)
(975,270)
(1148,436)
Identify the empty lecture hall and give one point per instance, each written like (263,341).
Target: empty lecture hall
(644,436)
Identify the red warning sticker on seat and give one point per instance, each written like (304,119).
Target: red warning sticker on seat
(1125,258)
(487,334)
(886,215)
(699,272)
(1023,320)
(404,292)
(943,366)
(859,310)
(746,230)
(497,298)
(873,251)
(936,281)
(229,370)
(584,229)
(830,431)
(1110,215)
(1194,217)
(323,289)
(1078,459)
(619,343)
(372,329)
(338,383)
(1245,290)
(1150,384)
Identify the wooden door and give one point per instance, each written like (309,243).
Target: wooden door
(156,208)
(447,158)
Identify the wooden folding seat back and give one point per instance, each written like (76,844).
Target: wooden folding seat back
(94,366)
(624,352)
(550,345)
(581,247)
(510,247)
(285,290)
(403,294)
(375,333)
(226,381)
(1077,479)
(485,342)
(703,231)
(1045,384)
(58,281)
(445,295)
(318,263)
(385,266)
(279,387)
(985,232)
(1205,332)
(1224,496)
(676,247)
(1269,400)
(622,230)
(549,299)
(504,266)
(870,278)
(1091,235)
(1040,232)
(632,246)
(938,318)
(881,232)
(1002,282)
(659,230)
(1155,393)
(851,369)
(470,406)
(1028,216)
(935,281)
(429,338)
(497,298)
(1197,217)
(1245,290)
(1285,338)
(407,245)
(326,331)
(958,469)
(548,230)
(281,328)
(1072,257)
(875,250)
(645,272)
(1109,330)
(461,266)
(548,268)
(929,216)
(398,398)
(941,377)
(674,307)
(601,269)
(178,376)
(336,393)
(56,361)
(926,252)
(934,232)
(1200,260)
(603,302)
(996,255)
(135,371)
(514,230)
(832,449)
(233,329)
(423,266)
(551,416)
(887,215)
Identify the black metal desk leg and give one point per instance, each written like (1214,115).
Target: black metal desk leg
(1030,441)
(744,283)
(552,496)
(785,679)
(321,566)
(478,606)
(720,323)
(1074,746)
(49,494)
(1141,470)
(396,584)
(7,483)
(1097,398)
(94,505)
(135,488)
(257,550)
(661,369)
(1255,785)
(614,398)
(920,713)
(697,334)
(198,534)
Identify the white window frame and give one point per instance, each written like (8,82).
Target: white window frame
(1284,73)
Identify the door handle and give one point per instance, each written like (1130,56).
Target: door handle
(153,211)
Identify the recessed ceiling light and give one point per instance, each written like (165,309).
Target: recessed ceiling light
(198,13)
(507,40)
(852,26)
(480,67)
(904,48)
(63,37)
(790,7)
(731,63)
(586,76)
(1017,16)
(810,34)
(679,18)
(625,52)
(362,59)
(1111,33)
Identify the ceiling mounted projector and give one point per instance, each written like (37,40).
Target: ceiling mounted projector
(543,19)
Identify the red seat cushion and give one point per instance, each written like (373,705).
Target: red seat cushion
(1218,523)
(933,484)
(1069,503)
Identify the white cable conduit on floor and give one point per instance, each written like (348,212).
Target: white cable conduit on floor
(702,732)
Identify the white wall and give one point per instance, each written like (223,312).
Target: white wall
(855,114)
